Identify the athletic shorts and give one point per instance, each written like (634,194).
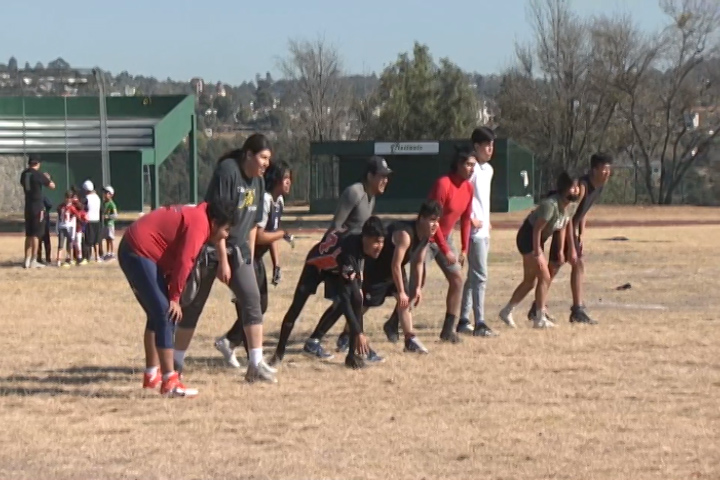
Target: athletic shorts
(311,278)
(524,239)
(378,284)
(35,222)
(108,232)
(92,233)
(555,247)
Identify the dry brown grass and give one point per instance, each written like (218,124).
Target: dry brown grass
(632,398)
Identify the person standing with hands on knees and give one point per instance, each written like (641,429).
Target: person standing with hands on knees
(33,181)
(552,214)
(473,297)
(157,254)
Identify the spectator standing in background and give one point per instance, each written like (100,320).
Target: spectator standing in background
(33,181)
(93,229)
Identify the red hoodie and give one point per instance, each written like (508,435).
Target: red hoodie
(455,195)
(172,238)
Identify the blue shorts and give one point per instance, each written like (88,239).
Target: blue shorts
(150,289)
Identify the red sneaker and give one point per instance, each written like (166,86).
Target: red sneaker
(173,387)
(152,381)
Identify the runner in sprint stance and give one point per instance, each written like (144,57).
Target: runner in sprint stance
(238,177)
(156,254)
(405,242)
(355,206)
(552,214)
(591,187)
(278,179)
(454,193)
(338,261)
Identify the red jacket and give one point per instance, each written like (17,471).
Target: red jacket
(455,195)
(172,238)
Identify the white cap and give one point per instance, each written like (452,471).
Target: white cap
(110,190)
(88,186)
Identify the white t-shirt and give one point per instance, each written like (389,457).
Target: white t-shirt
(94,204)
(481,180)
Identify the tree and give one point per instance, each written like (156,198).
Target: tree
(676,83)
(263,93)
(557,99)
(317,85)
(418,100)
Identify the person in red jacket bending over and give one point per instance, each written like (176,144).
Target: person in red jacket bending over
(157,254)
(454,193)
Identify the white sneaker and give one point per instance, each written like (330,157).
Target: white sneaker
(507,317)
(260,373)
(222,344)
(36,264)
(541,321)
(27,263)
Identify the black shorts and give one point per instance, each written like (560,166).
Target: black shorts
(92,233)
(524,239)
(555,247)
(311,277)
(261,277)
(377,289)
(35,222)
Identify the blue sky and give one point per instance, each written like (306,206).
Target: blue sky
(231,40)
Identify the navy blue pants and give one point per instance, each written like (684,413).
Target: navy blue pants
(149,286)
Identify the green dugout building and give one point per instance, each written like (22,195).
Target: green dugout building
(416,166)
(123,146)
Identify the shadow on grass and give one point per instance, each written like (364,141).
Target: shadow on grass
(65,382)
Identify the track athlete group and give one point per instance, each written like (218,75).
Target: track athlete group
(172,256)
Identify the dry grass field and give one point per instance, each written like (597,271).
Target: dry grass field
(635,397)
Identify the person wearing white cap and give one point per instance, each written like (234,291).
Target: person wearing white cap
(92,233)
(109,217)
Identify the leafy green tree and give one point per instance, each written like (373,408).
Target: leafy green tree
(416,99)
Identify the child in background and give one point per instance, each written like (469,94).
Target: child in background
(45,240)
(80,221)
(66,225)
(109,216)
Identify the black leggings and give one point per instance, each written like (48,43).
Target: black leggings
(349,304)
(45,242)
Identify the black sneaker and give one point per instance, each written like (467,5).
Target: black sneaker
(579,315)
(392,335)
(343,343)
(482,330)
(355,362)
(414,345)
(450,337)
(464,326)
(373,357)
(314,348)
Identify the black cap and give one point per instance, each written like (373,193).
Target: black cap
(33,160)
(378,166)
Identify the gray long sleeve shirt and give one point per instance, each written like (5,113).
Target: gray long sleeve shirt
(355,206)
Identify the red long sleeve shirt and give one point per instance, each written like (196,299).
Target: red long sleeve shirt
(455,195)
(172,238)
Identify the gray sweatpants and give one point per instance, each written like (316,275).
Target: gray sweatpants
(242,283)
(474,290)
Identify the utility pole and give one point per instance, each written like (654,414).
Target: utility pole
(104,153)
